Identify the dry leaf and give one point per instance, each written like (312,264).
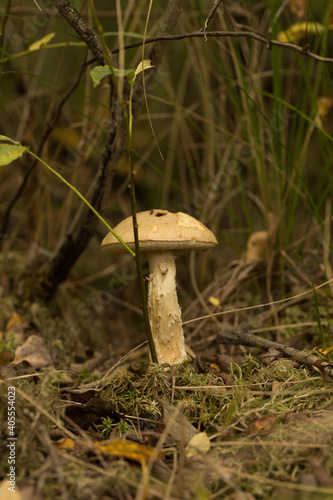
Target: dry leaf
(14,321)
(5,357)
(127,449)
(197,445)
(258,246)
(297,7)
(263,424)
(297,417)
(181,429)
(66,443)
(34,351)
(325,351)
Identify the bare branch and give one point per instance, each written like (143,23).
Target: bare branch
(302,357)
(79,24)
(210,16)
(232,34)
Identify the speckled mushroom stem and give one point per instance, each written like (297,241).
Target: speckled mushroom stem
(163,308)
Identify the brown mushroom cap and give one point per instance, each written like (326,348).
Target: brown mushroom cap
(161,230)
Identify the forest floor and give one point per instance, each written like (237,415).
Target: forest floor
(233,422)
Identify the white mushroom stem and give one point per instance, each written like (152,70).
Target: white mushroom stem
(163,308)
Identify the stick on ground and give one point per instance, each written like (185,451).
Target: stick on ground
(249,339)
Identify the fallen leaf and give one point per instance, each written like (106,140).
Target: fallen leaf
(128,449)
(325,351)
(5,357)
(181,429)
(297,417)
(261,425)
(65,443)
(34,351)
(14,321)
(15,328)
(197,445)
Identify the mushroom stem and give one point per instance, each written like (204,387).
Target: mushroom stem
(163,308)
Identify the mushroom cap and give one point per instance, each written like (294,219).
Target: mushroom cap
(161,230)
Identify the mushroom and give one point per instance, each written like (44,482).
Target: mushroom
(163,236)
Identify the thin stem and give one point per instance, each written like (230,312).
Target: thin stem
(83,199)
(136,233)
(231,34)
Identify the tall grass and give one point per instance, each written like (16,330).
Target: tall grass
(237,123)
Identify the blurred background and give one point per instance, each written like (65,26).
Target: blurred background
(245,130)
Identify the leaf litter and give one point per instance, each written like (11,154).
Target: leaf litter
(232,423)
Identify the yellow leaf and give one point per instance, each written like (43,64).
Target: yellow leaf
(214,300)
(66,443)
(127,449)
(326,351)
(197,445)
(39,44)
(15,320)
(297,31)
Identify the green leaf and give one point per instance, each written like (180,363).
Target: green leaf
(99,72)
(5,138)
(10,152)
(39,44)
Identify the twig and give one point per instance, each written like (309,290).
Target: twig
(210,16)
(247,338)
(233,34)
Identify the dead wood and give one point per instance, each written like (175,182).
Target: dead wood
(239,337)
